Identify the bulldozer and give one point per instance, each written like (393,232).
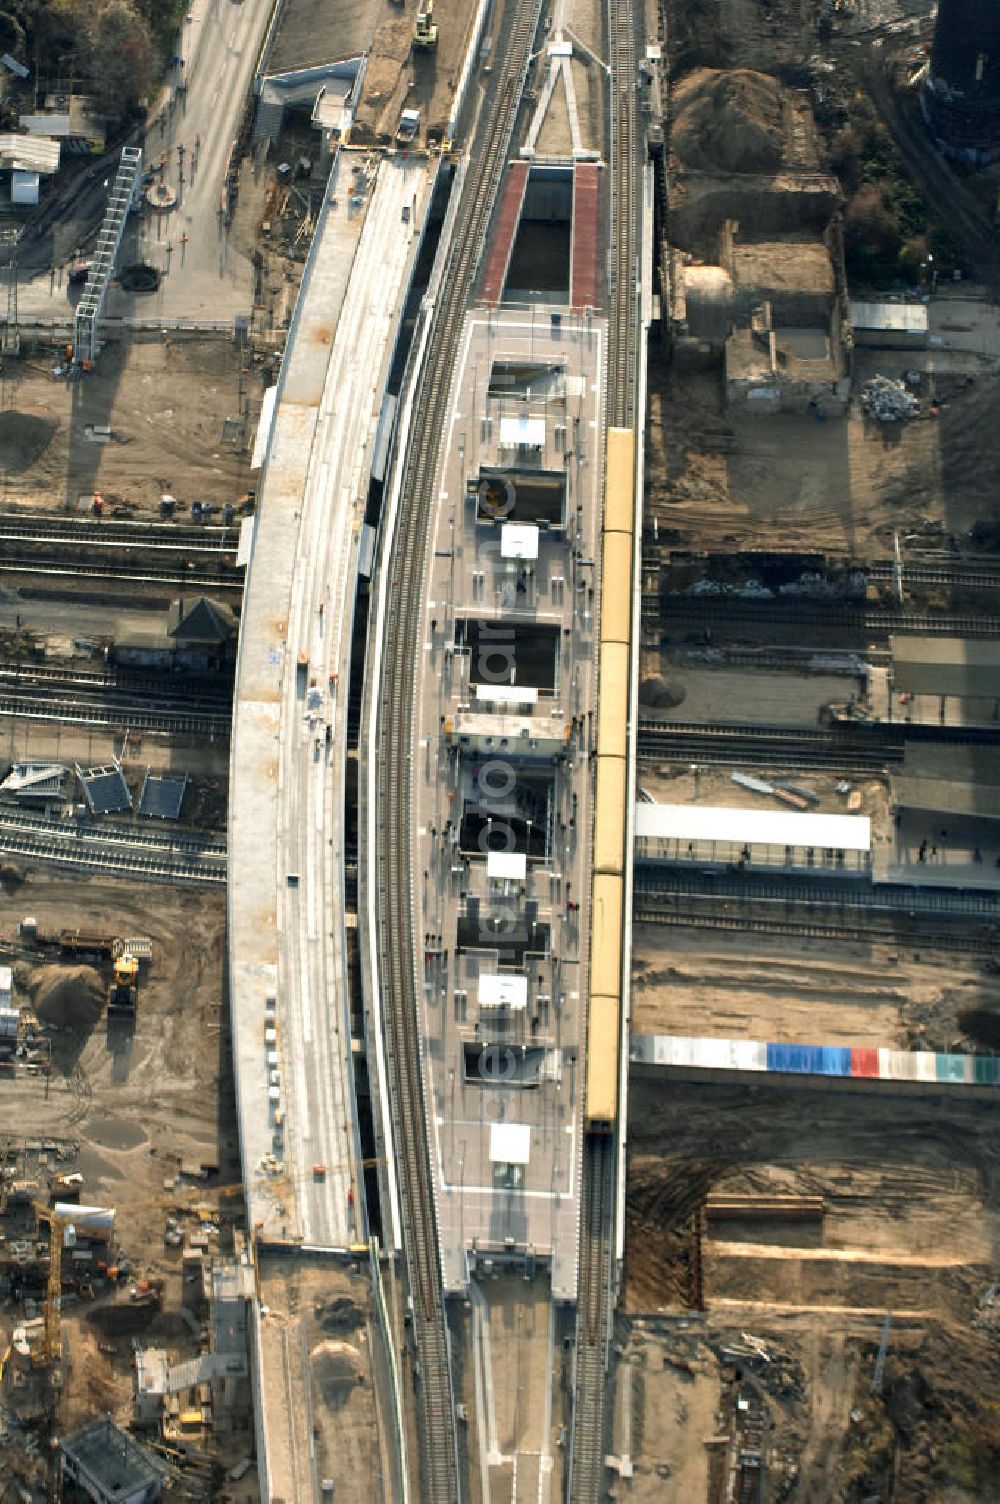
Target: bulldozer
(123,994)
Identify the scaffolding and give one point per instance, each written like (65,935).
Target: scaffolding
(124,191)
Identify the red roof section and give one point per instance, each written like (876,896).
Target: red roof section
(503,235)
(583,284)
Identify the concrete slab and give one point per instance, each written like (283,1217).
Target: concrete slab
(312,32)
(286,908)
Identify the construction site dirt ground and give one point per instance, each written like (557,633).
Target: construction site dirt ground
(718,479)
(746,34)
(165,400)
(910,1219)
(811,991)
(318,1338)
(400,76)
(130,1107)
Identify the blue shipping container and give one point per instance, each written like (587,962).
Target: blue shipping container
(809,1059)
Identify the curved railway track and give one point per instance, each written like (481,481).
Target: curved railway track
(396,726)
(595,1280)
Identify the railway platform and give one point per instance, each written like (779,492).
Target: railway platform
(502,803)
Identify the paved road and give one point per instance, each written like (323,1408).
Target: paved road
(220,42)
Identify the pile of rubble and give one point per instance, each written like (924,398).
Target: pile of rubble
(888,400)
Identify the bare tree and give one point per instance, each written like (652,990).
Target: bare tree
(120,55)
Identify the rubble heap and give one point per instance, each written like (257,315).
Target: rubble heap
(888,400)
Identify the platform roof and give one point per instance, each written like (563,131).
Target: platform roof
(162,795)
(29,153)
(903,318)
(512,865)
(105,789)
(510,694)
(522,432)
(503,991)
(950,779)
(752,827)
(519,540)
(968,668)
(510,1143)
(948,796)
(31,776)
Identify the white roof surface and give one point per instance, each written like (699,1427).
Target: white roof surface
(510,1143)
(503,991)
(264,425)
(510,694)
(522,430)
(761,827)
(512,865)
(518,540)
(245,548)
(29,153)
(25,775)
(911,318)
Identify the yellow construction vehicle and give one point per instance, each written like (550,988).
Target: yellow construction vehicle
(425,33)
(123,995)
(49,1355)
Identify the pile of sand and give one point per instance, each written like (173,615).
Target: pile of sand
(67,997)
(728,122)
(338,1368)
(657,694)
(24,438)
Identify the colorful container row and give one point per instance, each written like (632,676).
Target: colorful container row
(674,1052)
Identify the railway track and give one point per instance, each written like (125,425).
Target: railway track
(184,692)
(868,749)
(961,573)
(39,529)
(593,1317)
(213,577)
(922,939)
(397,939)
(597,1195)
(654,885)
(156,856)
(837,618)
(129,715)
(104,698)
